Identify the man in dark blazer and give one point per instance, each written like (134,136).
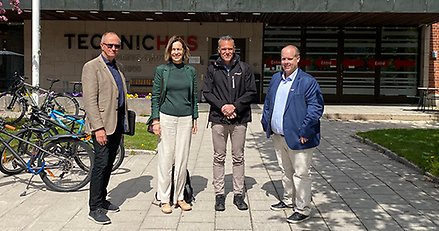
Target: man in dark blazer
(291,116)
(104,97)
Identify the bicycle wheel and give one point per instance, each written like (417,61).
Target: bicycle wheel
(66,104)
(12,107)
(81,159)
(9,164)
(119,156)
(61,172)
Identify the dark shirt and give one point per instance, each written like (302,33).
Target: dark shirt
(178,95)
(116,75)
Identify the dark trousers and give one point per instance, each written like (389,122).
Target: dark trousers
(103,162)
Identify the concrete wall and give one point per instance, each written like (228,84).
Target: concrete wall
(60,61)
(142,107)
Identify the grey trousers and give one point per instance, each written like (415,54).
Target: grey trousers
(220,134)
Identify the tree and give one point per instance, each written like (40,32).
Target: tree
(15,5)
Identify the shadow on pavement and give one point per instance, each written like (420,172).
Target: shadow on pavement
(199,184)
(130,189)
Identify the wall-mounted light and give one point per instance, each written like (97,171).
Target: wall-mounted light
(434,54)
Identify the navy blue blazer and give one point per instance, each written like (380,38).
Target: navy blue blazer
(303,110)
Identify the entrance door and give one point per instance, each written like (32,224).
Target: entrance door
(351,64)
(363,64)
(320,58)
(359,79)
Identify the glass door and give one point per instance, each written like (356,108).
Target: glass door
(320,58)
(358,64)
(399,51)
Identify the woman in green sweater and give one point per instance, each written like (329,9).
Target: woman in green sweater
(174,113)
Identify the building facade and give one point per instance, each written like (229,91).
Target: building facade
(365,51)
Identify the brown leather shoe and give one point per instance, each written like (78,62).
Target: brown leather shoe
(166,208)
(183,205)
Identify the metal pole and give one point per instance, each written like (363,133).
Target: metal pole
(36,45)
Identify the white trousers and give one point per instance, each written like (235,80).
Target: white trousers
(173,149)
(296,178)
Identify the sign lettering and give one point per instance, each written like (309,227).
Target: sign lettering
(129,42)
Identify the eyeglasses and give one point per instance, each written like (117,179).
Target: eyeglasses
(109,46)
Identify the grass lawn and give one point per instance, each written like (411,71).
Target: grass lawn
(419,146)
(142,139)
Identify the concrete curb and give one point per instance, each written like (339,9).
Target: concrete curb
(140,152)
(365,117)
(396,157)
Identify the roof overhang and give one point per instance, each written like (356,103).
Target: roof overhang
(273,12)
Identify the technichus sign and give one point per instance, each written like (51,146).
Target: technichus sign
(130,42)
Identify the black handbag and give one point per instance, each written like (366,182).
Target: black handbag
(131,123)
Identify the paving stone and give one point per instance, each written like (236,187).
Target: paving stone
(232,223)
(382,224)
(183,226)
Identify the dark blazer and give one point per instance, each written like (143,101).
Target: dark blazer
(100,96)
(303,110)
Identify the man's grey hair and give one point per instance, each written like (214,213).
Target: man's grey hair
(225,38)
(107,33)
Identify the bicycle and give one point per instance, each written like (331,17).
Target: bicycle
(56,120)
(53,159)
(15,100)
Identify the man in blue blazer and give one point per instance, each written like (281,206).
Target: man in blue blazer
(291,116)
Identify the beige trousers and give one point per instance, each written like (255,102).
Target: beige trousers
(296,178)
(220,134)
(173,149)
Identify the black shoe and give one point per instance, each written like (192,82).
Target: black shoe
(220,202)
(110,207)
(280,206)
(238,200)
(297,217)
(99,216)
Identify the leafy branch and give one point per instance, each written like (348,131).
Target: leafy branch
(15,6)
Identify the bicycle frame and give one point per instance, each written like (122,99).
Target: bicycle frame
(21,89)
(33,170)
(55,114)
